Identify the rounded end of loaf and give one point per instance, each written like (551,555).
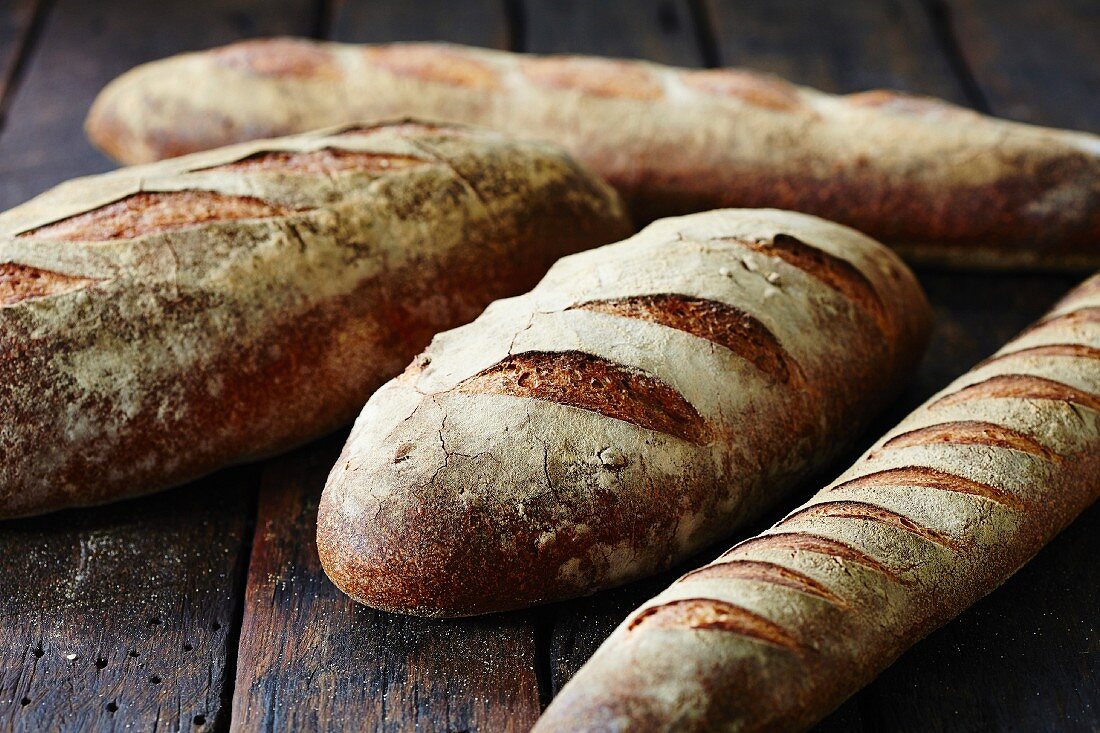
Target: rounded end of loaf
(404,558)
(175,106)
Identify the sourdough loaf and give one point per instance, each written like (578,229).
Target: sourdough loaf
(161,321)
(940,183)
(642,401)
(940,511)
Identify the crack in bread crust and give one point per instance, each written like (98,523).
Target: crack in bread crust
(23,282)
(592,383)
(147,213)
(719,323)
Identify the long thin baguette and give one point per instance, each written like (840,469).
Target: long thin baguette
(940,183)
(159,322)
(642,401)
(944,508)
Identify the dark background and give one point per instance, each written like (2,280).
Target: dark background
(205,607)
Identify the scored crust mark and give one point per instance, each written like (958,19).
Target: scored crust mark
(970,432)
(598,77)
(434,63)
(23,282)
(872,513)
(708,614)
(151,213)
(279,57)
(806,542)
(326,161)
(1088,314)
(1077,350)
(906,104)
(837,273)
(410,128)
(764,572)
(719,323)
(925,477)
(761,90)
(1020,386)
(592,383)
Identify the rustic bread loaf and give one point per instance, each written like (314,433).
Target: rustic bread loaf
(642,401)
(779,630)
(940,183)
(159,322)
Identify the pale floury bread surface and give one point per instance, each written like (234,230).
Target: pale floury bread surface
(642,401)
(940,511)
(159,322)
(938,182)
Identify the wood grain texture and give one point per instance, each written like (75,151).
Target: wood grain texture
(1025,658)
(975,314)
(84,45)
(1037,62)
(312,659)
(124,617)
(657,30)
(837,47)
(472,22)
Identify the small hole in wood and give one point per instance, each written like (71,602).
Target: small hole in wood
(25,701)
(154,621)
(100,663)
(155,679)
(215,626)
(38,652)
(112,707)
(133,653)
(187,647)
(200,720)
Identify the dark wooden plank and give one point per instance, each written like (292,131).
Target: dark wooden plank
(845,47)
(16,18)
(836,47)
(1034,61)
(86,44)
(312,659)
(658,30)
(473,22)
(124,617)
(1025,658)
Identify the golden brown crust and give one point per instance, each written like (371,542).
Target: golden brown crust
(591,383)
(943,509)
(160,322)
(940,183)
(623,414)
(22,282)
(142,214)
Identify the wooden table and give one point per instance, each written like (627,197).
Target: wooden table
(205,607)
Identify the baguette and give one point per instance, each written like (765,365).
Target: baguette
(642,401)
(779,630)
(159,322)
(940,183)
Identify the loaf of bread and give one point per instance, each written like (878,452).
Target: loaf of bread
(778,631)
(641,402)
(159,322)
(938,182)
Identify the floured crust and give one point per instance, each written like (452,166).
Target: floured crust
(948,185)
(784,626)
(642,401)
(162,321)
